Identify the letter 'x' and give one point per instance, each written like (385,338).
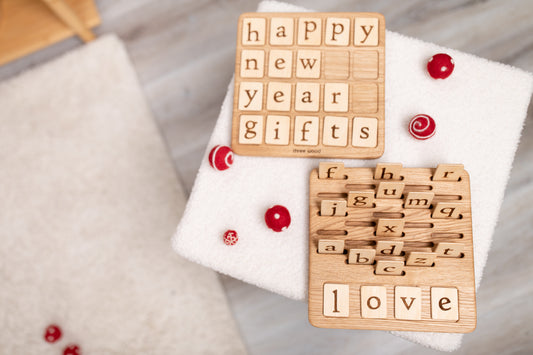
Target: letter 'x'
(390,229)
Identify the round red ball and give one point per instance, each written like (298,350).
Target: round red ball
(231,237)
(440,66)
(422,127)
(52,333)
(278,218)
(221,157)
(72,349)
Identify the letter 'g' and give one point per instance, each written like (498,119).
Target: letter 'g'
(250,133)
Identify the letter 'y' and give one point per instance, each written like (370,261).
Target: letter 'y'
(250,97)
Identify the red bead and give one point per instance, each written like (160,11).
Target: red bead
(231,237)
(52,333)
(440,66)
(221,157)
(278,218)
(422,127)
(72,349)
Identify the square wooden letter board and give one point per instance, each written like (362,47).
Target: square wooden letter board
(310,85)
(391,248)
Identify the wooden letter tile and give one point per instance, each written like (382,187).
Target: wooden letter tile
(444,303)
(253,31)
(335,131)
(373,302)
(336,300)
(251,96)
(366,31)
(337,31)
(307,97)
(363,199)
(277,130)
(336,64)
(388,248)
(333,208)
(336,97)
(331,170)
(279,96)
(389,267)
(309,31)
(419,258)
(330,246)
(365,132)
(306,130)
(447,210)
(365,65)
(281,31)
(389,171)
(418,199)
(308,64)
(252,63)
(251,129)
(448,172)
(390,189)
(361,256)
(407,302)
(452,250)
(390,227)
(365,98)
(280,64)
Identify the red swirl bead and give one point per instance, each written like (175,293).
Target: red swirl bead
(422,127)
(221,157)
(278,218)
(440,66)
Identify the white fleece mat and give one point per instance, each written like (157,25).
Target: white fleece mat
(479,112)
(89,202)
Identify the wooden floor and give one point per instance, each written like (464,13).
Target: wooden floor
(183,52)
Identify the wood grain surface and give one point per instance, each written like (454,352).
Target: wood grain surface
(457,273)
(184,52)
(371,91)
(29,25)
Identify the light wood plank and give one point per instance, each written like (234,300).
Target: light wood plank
(29,25)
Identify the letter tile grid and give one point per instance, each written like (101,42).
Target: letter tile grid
(402,260)
(310,85)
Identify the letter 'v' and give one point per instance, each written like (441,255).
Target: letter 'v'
(408,306)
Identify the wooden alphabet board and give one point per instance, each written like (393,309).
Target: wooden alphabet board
(310,85)
(390,248)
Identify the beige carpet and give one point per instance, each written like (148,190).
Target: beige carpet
(88,202)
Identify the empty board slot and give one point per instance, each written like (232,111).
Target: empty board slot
(359,224)
(331,232)
(409,188)
(418,225)
(388,214)
(448,235)
(358,187)
(448,197)
(332,195)
(354,244)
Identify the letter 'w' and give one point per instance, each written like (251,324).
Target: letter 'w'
(306,62)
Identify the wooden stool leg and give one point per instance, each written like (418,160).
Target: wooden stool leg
(65,13)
